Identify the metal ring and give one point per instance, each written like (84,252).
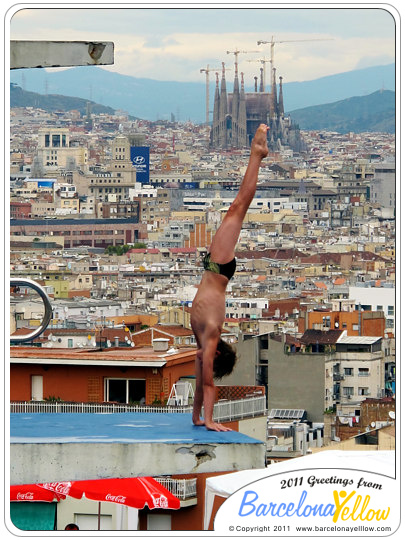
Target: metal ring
(23,282)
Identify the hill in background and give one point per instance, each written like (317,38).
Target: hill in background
(375,112)
(152,100)
(53,102)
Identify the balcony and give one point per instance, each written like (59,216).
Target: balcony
(224,410)
(185,489)
(338,377)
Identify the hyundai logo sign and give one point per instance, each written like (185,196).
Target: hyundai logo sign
(140,160)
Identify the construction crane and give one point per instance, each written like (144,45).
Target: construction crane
(236,53)
(207,71)
(263,62)
(272,43)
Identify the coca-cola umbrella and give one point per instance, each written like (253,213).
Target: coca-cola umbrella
(33,493)
(133,492)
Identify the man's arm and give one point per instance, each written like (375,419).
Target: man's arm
(209,352)
(198,395)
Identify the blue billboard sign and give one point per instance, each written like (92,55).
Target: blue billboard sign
(140,160)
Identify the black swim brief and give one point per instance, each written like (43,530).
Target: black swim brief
(227,269)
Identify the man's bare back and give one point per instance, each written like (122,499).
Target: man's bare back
(209,303)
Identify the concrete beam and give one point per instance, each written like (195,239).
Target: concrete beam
(63,447)
(42,54)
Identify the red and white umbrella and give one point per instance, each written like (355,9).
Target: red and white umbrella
(133,492)
(33,493)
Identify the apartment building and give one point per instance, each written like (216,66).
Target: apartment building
(56,152)
(382,186)
(356,323)
(376,299)
(318,371)
(247,308)
(354,372)
(83,232)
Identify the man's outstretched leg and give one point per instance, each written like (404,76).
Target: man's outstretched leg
(223,244)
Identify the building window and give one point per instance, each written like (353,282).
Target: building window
(326,321)
(348,371)
(363,372)
(348,391)
(55,141)
(126,390)
(363,391)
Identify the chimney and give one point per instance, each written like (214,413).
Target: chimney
(160,344)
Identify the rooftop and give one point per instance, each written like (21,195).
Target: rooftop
(60,447)
(143,356)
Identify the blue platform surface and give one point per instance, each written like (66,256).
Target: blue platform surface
(168,428)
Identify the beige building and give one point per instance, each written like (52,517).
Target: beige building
(54,150)
(353,373)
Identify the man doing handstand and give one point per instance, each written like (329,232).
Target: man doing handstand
(215,358)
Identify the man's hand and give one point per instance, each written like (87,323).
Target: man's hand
(259,143)
(213,426)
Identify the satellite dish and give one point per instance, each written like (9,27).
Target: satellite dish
(132,344)
(108,343)
(391,414)
(372,424)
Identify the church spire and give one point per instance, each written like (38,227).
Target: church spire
(273,95)
(261,89)
(242,133)
(216,100)
(280,98)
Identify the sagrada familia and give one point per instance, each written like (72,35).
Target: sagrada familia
(236,116)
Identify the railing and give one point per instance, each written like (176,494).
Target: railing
(181,488)
(101,408)
(223,410)
(241,408)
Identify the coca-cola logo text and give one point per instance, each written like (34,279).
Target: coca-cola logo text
(115,498)
(25,496)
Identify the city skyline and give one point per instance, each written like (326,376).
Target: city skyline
(175,43)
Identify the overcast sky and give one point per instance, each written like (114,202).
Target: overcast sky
(168,43)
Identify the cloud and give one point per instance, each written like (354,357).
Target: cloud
(167,43)
(159,43)
(370,61)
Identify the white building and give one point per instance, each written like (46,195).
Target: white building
(245,308)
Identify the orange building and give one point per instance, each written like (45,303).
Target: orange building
(367,323)
(115,375)
(200,236)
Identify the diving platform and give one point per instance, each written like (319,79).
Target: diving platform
(52,447)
